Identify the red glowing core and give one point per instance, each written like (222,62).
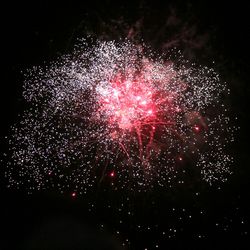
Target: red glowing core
(127,103)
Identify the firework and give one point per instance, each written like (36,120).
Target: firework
(115,113)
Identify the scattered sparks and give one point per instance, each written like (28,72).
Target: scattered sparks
(114,109)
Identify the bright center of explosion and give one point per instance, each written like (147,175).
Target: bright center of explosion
(128,104)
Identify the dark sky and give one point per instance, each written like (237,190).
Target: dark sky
(32,33)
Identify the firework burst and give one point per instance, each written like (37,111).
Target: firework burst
(115,113)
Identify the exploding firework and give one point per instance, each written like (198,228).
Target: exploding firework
(116,113)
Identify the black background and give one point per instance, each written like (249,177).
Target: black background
(32,33)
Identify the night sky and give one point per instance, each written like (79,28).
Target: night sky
(194,216)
